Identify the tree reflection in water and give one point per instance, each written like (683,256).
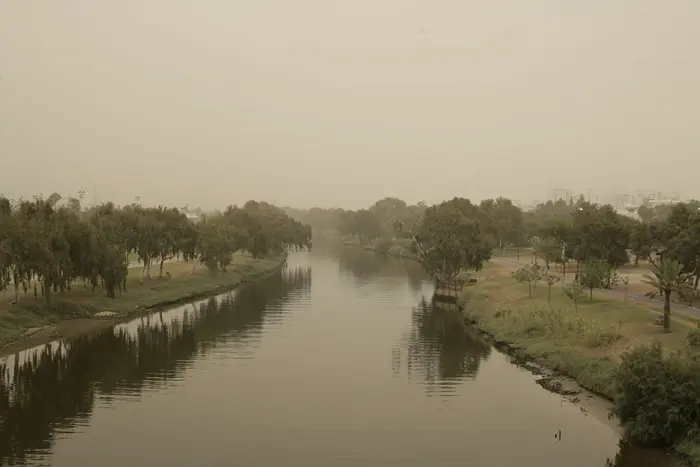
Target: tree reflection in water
(631,455)
(440,348)
(54,388)
(367,267)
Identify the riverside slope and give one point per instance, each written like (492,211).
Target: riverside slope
(72,313)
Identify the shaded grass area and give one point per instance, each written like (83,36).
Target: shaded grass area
(585,343)
(186,281)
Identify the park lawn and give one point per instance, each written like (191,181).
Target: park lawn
(187,280)
(586,344)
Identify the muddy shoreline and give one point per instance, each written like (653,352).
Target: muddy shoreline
(70,328)
(589,402)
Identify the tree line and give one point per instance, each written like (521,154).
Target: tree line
(45,248)
(458,235)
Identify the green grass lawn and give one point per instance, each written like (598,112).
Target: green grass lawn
(186,280)
(585,343)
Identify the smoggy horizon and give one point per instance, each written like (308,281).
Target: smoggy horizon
(324,103)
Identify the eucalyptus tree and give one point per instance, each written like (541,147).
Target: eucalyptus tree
(601,234)
(111,248)
(506,221)
(217,240)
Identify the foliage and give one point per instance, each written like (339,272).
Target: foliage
(49,248)
(575,292)
(550,250)
(668,277)
(641,241)
(530,275)
(550,279)
(384,245)
(593,275)
(678,238)
(505,221)
(602,235)
(657,395)
(452,237)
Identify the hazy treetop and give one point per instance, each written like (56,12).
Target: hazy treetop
(341,103)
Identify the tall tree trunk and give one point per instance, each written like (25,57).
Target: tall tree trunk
(667,310)
(15,279)
(47,291)
(160,273)
(143,271)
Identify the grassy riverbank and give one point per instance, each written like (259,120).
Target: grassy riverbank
(71,311)
(585,344)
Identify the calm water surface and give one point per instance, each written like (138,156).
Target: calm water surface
(353,368)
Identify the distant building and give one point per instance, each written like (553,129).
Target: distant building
(561,193)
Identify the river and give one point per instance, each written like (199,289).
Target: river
(352,368)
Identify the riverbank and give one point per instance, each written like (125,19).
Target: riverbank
(584,343)
(31,322)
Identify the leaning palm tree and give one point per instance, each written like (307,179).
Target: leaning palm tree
(667,276)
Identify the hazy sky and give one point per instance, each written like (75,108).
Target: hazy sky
(328,102)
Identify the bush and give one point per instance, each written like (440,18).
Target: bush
(692,344)
(555,323)
(658,396)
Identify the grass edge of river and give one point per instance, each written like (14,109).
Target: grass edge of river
(33,323)
(593,373)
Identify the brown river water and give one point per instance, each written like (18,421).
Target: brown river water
(352,368)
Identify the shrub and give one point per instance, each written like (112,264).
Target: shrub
(555,323)
(692,342)
(658,396)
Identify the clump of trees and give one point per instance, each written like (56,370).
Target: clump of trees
(447,238)
(45,248)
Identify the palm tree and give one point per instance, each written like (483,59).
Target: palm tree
(667,276)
